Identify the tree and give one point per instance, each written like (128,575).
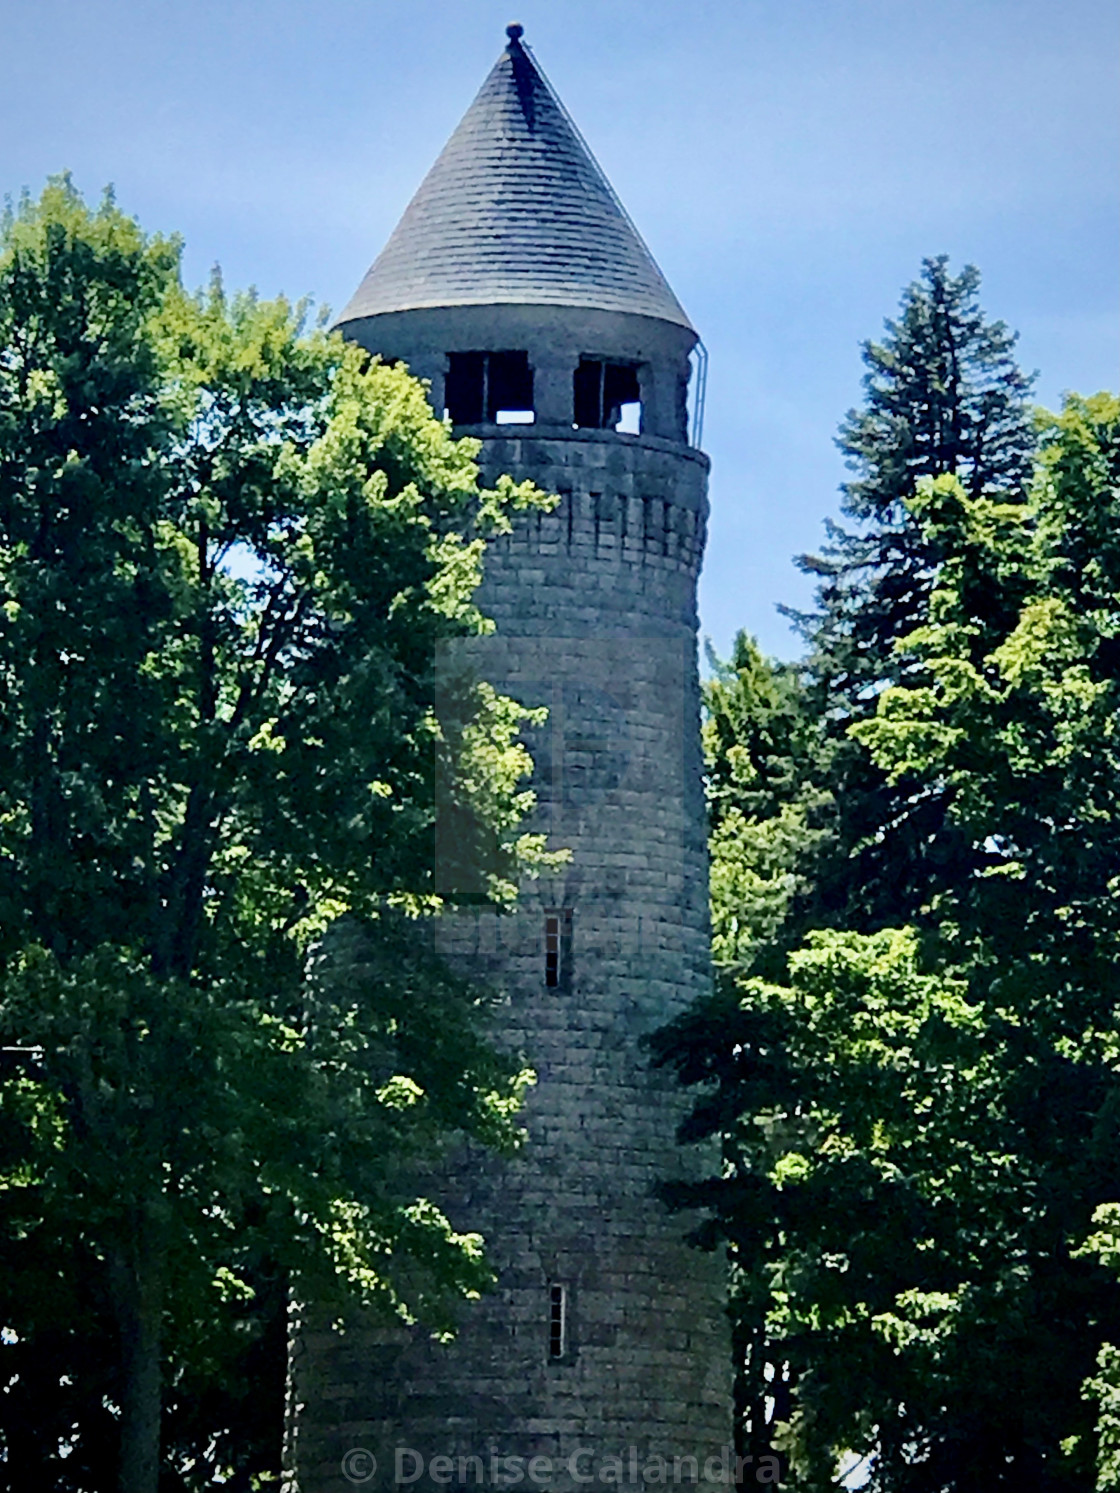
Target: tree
(943,396)
(770,827)
(228,552)
(919,1123)
(771,815)
(1017,719)
(843,1095)
(1103,1389)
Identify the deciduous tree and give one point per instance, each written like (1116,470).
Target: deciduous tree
(229,550)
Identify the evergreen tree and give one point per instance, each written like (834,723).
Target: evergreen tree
(770,813)
(920,1123)
(943,395)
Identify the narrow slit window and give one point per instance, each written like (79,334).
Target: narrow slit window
(494,388)
(557,1321)
(552,951)
(557,948)
(607,396)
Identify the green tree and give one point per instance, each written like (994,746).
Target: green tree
(229,551)
(943,395)
(771,826)
(920,1123)
(1103,1389)
(868,1207)
(1015,713)
(770,816)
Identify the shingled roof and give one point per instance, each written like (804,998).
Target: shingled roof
(516,210)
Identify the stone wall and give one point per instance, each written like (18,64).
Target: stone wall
(596,611)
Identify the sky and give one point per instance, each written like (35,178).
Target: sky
(789,162)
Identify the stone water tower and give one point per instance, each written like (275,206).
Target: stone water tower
(518,287)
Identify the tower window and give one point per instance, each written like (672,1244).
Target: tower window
(557,948)
(557,1321)
(607,396)
(490,388)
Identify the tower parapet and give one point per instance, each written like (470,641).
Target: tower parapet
(518,287)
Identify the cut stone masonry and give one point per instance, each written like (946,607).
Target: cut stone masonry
(607,1331)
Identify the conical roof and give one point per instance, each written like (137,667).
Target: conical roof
(516,210)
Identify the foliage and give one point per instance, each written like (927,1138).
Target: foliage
(229,552)
(769,817)
(887,1226)
(1103,1389)
(920,1120)
(1017,718)
(942,396)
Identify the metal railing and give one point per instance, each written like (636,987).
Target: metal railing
(699,360)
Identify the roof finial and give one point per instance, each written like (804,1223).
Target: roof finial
(515,31)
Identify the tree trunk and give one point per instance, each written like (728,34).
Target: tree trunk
(138,1289)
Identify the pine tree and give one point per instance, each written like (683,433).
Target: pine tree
(944,396)
(920,1122)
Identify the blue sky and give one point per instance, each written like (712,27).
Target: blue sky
(789,162)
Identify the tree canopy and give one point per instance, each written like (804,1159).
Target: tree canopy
(229,551)
(943,396)
(911,1056)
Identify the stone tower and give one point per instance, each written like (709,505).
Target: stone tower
(517,286)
